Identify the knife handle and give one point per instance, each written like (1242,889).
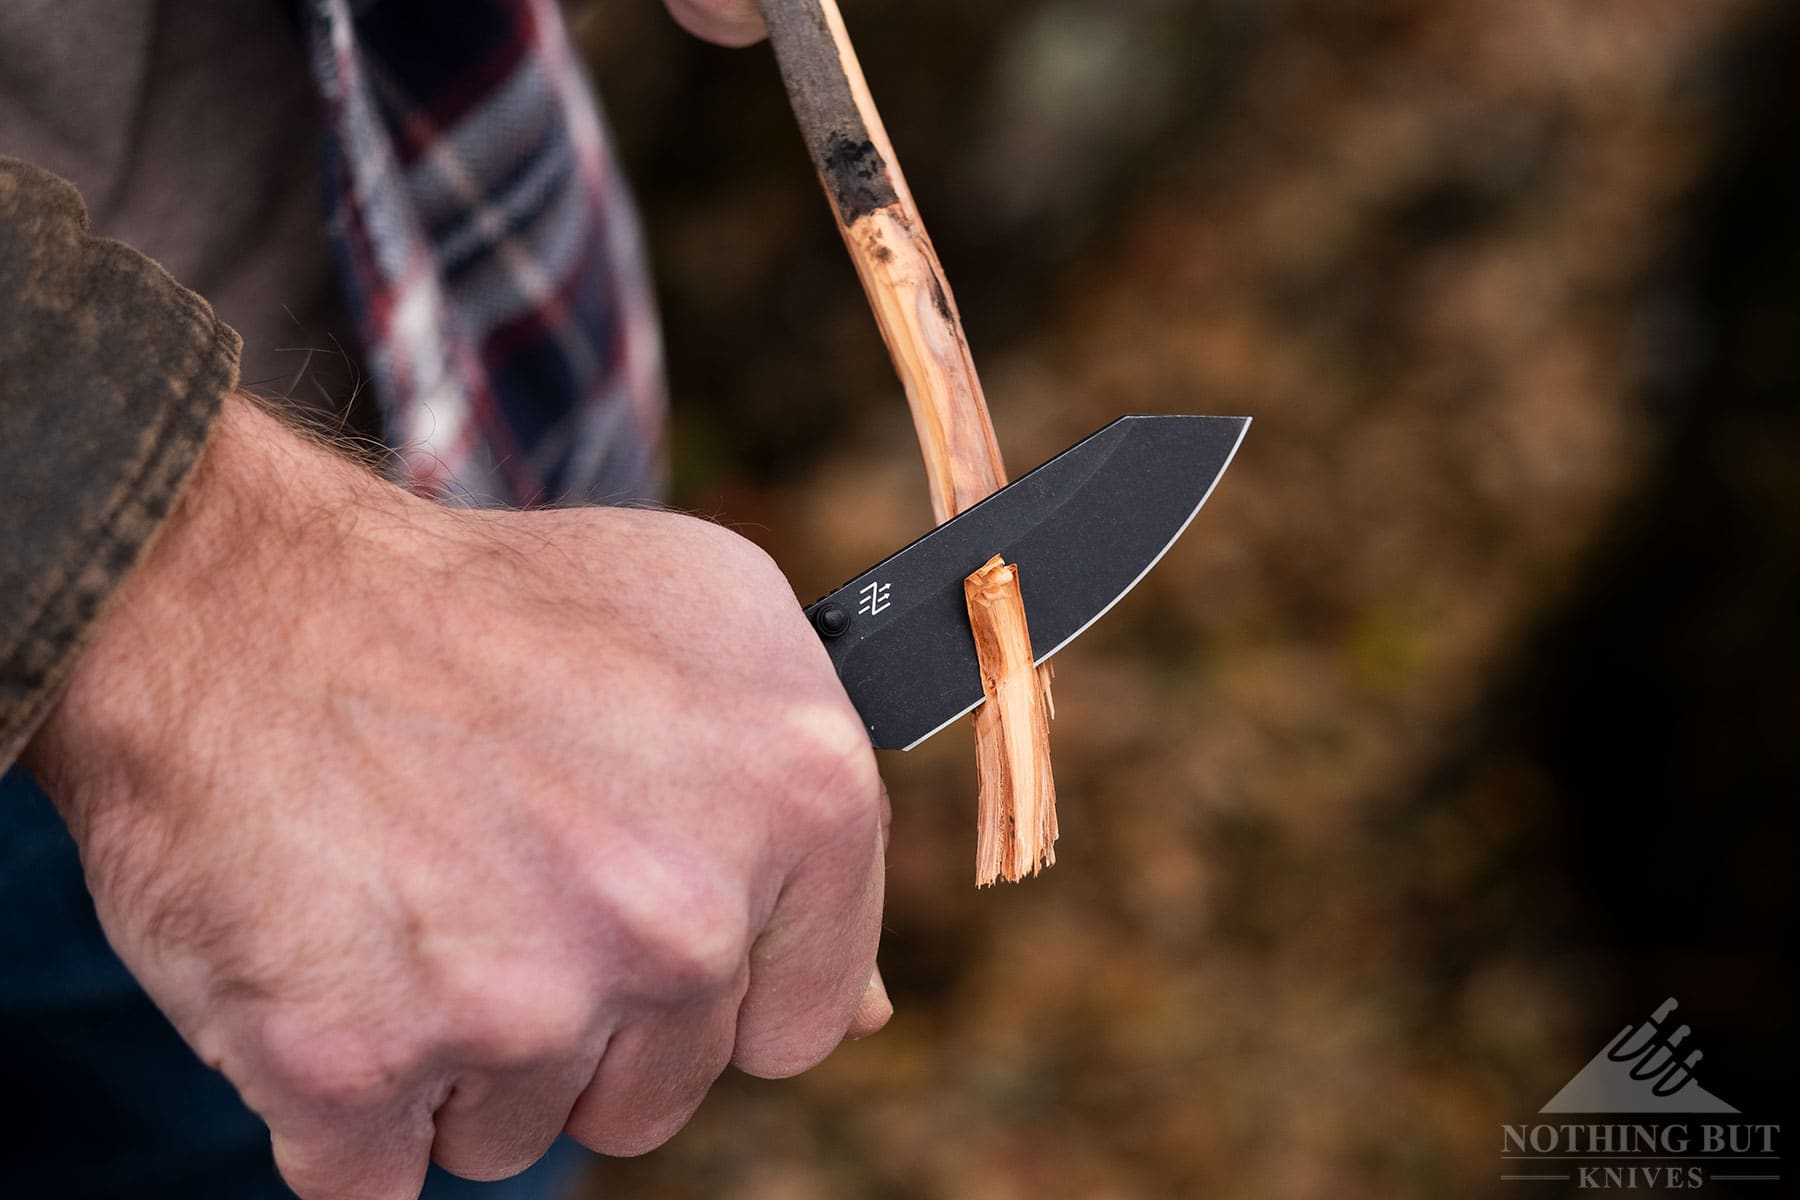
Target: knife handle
(894,257)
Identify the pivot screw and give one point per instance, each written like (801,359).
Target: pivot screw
(832,620)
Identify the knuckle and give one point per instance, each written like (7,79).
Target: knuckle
(517,1019)
(521,1033)
(696,939)
(332,1069)
(833,781)
(738,555)
(702,952)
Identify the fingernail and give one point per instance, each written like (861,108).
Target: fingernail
(872,1011)
(878,990)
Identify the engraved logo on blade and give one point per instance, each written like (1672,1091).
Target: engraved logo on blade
(874,598)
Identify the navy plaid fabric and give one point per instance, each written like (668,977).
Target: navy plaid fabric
(490,253)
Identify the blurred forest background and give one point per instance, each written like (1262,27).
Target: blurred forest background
(1458,732)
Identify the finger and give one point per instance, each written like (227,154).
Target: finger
(497,1123)
(654,1075)
(813,963)
(872,1012)
(727,22)
(352,1155)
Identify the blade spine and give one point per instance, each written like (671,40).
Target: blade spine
(937,529)
(1176,537)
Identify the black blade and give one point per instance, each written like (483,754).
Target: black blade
(1083,529)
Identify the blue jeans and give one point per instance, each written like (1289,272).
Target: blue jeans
(104,1099)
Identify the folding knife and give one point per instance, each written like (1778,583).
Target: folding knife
(1082,528)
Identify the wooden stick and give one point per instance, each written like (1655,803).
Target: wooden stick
(893,255)
(917,314)
(1017,820)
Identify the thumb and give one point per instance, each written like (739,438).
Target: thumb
(872,1011)
(727,22)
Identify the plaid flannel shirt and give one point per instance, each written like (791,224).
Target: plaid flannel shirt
(489,251)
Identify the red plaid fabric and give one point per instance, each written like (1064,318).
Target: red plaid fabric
(490,253)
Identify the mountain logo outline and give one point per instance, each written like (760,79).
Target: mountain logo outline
(1642,1070)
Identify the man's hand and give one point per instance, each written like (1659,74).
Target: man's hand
(727,22)
(440,830)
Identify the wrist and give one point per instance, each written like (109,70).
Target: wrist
(221,574)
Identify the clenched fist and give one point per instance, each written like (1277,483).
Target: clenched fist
(441,831)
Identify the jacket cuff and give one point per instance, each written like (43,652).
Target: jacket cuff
(111,374)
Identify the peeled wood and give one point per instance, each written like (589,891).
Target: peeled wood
(918,318)
(1017,815)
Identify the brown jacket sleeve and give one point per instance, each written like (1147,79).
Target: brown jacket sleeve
(110,376)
